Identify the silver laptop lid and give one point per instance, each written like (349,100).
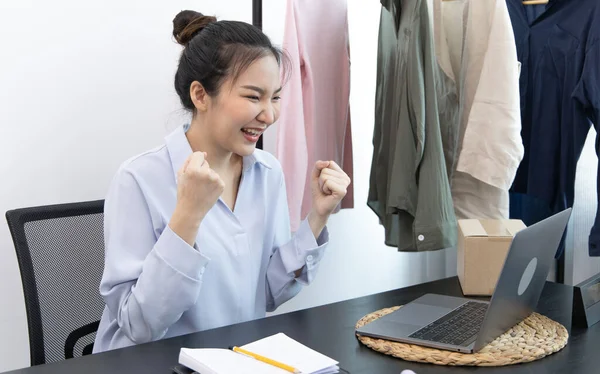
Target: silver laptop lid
(523,276)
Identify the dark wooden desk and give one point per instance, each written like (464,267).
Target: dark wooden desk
(330,329)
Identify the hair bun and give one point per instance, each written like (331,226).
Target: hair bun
(188,23)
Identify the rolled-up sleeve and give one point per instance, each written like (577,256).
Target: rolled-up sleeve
(150,279)
(292,253)
(492,148)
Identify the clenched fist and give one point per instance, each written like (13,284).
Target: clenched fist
(329,184)
(198,186)
(198,189)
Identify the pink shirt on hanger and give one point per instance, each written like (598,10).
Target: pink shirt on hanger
(315,112)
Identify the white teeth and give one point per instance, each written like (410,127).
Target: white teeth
(251,132)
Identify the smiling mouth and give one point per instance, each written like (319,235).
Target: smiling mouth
(253,132)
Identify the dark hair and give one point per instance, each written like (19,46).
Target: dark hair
(215,51)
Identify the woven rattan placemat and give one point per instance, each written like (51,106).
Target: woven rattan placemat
(532,339)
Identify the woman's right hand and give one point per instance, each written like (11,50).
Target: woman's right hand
(198,189)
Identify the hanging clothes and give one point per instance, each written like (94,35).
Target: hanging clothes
(559,48)
(479,100)
(384,108)
(315,112)
(409,188)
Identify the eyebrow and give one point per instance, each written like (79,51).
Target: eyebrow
(260,90)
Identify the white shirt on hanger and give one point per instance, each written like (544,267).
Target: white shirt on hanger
(476,50)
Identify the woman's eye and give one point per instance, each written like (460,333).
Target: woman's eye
(277,98)
(255,98)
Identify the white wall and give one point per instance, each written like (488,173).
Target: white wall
(83,87)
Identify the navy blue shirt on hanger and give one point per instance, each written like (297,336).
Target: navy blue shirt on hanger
(558,45)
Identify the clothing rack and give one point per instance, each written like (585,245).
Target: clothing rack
(257,21)
(257,13)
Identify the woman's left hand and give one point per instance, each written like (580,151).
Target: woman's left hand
(329,186)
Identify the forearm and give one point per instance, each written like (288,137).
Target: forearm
(186,224)
(317,223)
(166,285)
(295,261)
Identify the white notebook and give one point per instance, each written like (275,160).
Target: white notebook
(277,347)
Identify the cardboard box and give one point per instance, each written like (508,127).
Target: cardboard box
(482,249)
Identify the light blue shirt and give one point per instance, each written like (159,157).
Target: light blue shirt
(157,286)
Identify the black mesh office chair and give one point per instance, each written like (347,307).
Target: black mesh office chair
(60,250)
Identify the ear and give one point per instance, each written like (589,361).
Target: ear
(199,96)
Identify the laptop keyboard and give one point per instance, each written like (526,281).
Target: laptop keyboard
(455,327)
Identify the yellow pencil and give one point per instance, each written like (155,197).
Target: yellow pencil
(266,360)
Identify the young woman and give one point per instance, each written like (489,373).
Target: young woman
(197,231)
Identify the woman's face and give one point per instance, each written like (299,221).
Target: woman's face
(244,109)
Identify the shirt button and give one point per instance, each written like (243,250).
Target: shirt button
(309,258)
(421,238)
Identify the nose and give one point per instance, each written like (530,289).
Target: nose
(267,115)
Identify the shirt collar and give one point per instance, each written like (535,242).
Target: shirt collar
(179,150)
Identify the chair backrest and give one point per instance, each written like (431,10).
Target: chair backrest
(60,250)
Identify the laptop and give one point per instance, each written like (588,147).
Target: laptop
(465,325)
